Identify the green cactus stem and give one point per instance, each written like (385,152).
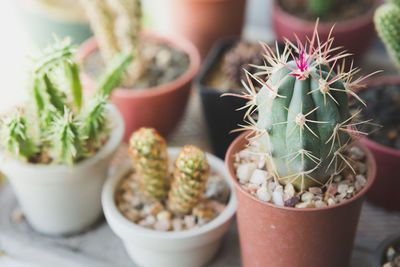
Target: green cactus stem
(190,177)
(148,151)
(304,123)
(387,24)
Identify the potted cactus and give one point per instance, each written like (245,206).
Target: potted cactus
(166,215)
(354,29)
(383,93)
(159,76)
(56,149)
(300,177)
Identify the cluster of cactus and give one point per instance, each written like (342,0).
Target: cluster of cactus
(387,24)
(56,125)
(149,157)
(117,27)
(304,124)
(320,8)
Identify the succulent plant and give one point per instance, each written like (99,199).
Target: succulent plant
(148,151)
(117,27)
(320,8)
(190,177)
(304,125)
(55,125)
(387,24)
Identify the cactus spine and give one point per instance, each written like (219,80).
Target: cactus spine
(387,24)
(117,27)
(190,176)
(148,151)
(304,122)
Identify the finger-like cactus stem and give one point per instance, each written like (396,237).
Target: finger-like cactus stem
(190,177)
(148,151)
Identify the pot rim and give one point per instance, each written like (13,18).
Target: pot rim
(177,42)
(380,251)
(371,178)
(109,147)
(378,81)
(340,26)
(130,229)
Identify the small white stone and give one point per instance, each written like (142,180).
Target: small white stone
(289,190)
(164,216)
(350,190)
(244,171)
(150,220)
(163,225)
(307,197)
(342,188)
(362,168)
(361,179)
(277,196)
(190,221)
(303,205)
(320,204)
(177,224)
(356,153)
(261,163)
(315,190)
(271,186)
(262,193)
(331,202)
(259,177)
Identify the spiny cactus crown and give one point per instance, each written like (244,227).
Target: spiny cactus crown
(387,24)
(304,123)
(60,129)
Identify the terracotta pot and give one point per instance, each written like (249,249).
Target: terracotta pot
(272,235)
(355,35)
(205,21)
(160,107)
(385,189)
(379,257)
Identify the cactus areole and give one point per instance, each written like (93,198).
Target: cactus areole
(304,123)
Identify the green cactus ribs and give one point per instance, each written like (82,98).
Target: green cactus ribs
(303,123)
(190,176)
(148,151)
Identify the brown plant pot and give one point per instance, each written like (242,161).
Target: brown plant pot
(272,235)
(355,35)
(160,107)
(384,192)
(205,21)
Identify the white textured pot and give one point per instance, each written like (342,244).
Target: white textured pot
(151,248)
(58,199)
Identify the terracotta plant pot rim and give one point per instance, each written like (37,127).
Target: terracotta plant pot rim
(90,45)
(340,26)
(371,177)
(382,80)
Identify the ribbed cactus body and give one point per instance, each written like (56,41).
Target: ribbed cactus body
(300,115)
(190,176)
(320,7)
(387,23)
(149,157)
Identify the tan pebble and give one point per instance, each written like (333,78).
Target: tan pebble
(307,197)
(320,204)
(163,225)
(332,189)
(331,202)
(315,190)
(17,216)
(123,206)
(132,215)
(190,221)
(152,209)
(164,215)
(362,168)
(389,264)
(203,212)
(218,207)
(302,205)
(177,224)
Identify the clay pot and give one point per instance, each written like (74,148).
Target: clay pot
(272,235)
(160,107)
(354,35)
(385,190)
(380,253)
(205,21)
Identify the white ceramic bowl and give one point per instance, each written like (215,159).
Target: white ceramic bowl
(151,248)
(58,199)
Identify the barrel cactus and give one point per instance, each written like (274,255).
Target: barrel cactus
(190,177)
(387,24)
(304,124)
(148,151)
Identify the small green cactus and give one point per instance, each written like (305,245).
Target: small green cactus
(148,151)
(61,129)
(190,177)
(304,122)
(117,26)
(320,8)
(387,24)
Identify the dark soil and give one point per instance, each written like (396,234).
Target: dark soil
(343,9)
(227,72)
(165,64)
(383,107)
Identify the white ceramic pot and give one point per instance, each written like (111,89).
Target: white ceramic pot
(151,248)
(58,199)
